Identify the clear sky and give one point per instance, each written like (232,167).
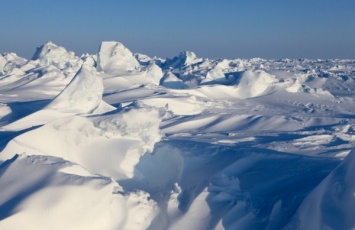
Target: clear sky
(163,28)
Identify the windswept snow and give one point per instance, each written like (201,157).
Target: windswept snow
(116,140)
(82,95)
(51,54)
(255,83)
(114,56)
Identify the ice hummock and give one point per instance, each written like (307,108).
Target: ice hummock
(193,143)
(52,54)
(255,83)
(185,58)
(331,204)
(82,95)
(154,73)
(169,80)
(114,56)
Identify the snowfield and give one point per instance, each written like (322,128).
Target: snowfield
(118,140)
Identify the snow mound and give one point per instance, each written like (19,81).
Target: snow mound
(298,88)
(51,54)
(12,64)
(214,75)
(154,73)
(187,105)
(141,124)
(143,59)
(255,84)
(4,110)
(2,64)
(82,95)
(55,196)
(109,145)
(173,82)
(185,58)
(114,56)
(331,204)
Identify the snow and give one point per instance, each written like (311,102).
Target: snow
(82,95)
(185,58)
(120,141)
(51,54)
(169,80)
(255,84)
(215,74)
(114,56)
(2,64)
(332,203)
(155,73)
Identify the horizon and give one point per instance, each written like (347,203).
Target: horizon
(319,29)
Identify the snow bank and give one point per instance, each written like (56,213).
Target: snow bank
(2,64)
(255,84)
(186,105)
(249,152)
(331,205)
(154,73)
(13,63)
(109,145)
(50,196)
(143,59)
(4,110)
(51,54)
(82,95)
(215,74)
(114,56)
(140,123)
(185,58)
(171,81)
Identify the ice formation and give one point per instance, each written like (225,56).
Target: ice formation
(114,56)
(120,141)
(82,95)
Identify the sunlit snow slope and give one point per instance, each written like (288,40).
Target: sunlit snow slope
(117,140)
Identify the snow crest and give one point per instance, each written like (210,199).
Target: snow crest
(114,56)
(139,123)
(82,95)
(51,54)
(255,83)
(332,203)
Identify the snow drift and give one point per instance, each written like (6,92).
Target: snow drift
(120,141)
(114,56)
(82,95)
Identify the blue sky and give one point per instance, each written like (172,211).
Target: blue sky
(163,28)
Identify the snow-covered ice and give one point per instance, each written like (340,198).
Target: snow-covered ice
(116,140)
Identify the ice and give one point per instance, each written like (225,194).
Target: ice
(51,197)
(171,81)
(143,59)
(4,110)
(12,63)
(82,95)
(185,58)
(120,141)
(215,74)
(2,64)
(114,56)
(51,54)
(332,203)
(110,145)
(255,84)
(154,73)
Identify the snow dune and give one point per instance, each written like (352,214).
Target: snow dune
(117,140)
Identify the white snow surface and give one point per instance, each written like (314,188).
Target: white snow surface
(82,95)
(114,56)
(120,141)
